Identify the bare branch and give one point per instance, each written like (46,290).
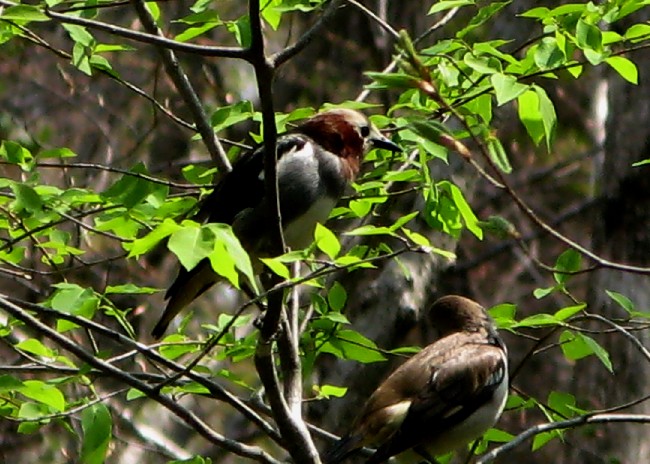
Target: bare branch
(569,423)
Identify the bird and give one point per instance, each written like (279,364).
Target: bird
(445,396)
(316,161)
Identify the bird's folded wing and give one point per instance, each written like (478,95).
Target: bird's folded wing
(243,187)
(458,387)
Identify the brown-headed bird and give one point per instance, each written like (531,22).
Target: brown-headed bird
(447,395)
(316,161)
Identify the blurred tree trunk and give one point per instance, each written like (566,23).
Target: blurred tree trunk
(621,234)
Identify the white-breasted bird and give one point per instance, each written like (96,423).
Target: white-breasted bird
(316,161)
(447,395)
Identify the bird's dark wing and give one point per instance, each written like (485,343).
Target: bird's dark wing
(461,384)
(243,187)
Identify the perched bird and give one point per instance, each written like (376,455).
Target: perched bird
(316,161)
(442,398)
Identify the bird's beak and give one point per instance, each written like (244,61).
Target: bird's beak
(379,141)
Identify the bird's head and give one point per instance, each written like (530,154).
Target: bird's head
(346,133)
(453,313)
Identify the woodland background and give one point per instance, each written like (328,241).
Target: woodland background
(108,142)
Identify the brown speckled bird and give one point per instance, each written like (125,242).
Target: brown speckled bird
(447,395)
(316,161)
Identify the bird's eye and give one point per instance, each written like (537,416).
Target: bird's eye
(365,131)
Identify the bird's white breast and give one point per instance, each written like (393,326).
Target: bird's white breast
(300,233)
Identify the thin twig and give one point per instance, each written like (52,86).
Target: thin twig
(305,39)
(186,90)
(150,38)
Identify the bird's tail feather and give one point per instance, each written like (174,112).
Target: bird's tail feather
(187,287)
(342,449)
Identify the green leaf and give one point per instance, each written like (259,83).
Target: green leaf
(229,252)
(536,13)
(483,15)
(638,31)
(370,230)
(482,64)
(565,313)
(146,243)
(134,394)
(540,293)
(76,300)
(176,346)
(17,154)
(497,436)
(503,315)
(26,198)
(56,153)
(272,16)
(548,54)
(471,222)
(589,36)
(242,31)
(625,67)
(79,35)
(132,190)
(530,115)
(392,81)
(192,32)
(9,383)
(31,345)
(562,402)
(570,262)
(506,87)
(537,320)
(622,300)
(191,245)
(277,267)
(576,345)
(33,411)
(549,117)
(227,116)
(326,241)
(328,391)
(23,14)
(97,425)
(448,5)
(498,154)
(543,438)
(81,58)
(130,289)
(336,297)
(43,393)
(351,345)
(417,238)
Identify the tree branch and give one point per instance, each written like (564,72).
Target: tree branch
(184,87)
(285,55)
(151,38)
(569,423)
(252,452)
